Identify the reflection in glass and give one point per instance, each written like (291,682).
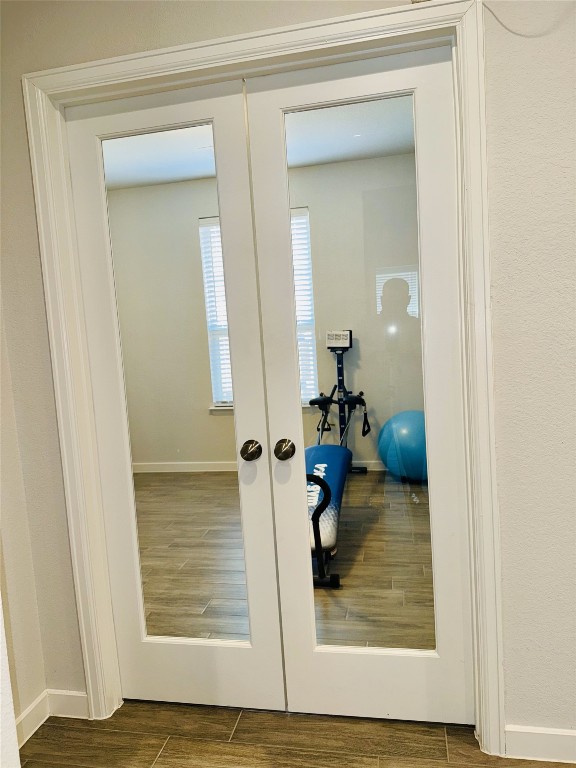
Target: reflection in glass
(163,209)
(353,167)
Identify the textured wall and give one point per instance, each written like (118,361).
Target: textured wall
(531,78)
(42,35)
(9,757)
(156,249)
(20,601)
(530,125)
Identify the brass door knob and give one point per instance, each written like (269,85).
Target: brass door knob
(284,449)
(251,450)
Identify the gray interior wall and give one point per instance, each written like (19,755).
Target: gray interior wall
(530,76)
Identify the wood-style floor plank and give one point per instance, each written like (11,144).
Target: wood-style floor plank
(92,748)
(192,736)
(162,719)
(180,753)
(38,764)
(341,735)
(193,568)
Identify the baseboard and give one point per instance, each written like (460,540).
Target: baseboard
(68,704)
(372,466)
(185,466)
(32,718)
(549,744)
(50,702)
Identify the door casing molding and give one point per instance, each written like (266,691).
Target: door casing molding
(47,94)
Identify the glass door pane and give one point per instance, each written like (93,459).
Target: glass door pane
(168,265)
(352,168)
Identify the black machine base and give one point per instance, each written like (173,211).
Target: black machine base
(323,579)
(331,582)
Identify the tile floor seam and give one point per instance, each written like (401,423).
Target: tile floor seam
(235,725)
(159,753)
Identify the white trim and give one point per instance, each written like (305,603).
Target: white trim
(185,466)
(68,704)
(72,385)
(477,333)
(549,744)
(50,702)
(258,52)
(32,718)
(46,94)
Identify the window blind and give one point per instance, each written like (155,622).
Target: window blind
(216,316)
(304,296)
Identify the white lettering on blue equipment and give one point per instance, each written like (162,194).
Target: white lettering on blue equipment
(313,489)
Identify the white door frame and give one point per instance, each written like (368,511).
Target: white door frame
(47,94)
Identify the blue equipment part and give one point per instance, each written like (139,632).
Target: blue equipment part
(332,463)
(402,446)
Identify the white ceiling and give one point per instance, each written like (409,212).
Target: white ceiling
(315,136)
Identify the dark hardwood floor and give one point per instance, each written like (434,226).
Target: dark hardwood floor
(146,735)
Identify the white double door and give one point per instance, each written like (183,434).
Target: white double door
(284,142)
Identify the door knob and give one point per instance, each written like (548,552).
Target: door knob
(284,449)
(251,450)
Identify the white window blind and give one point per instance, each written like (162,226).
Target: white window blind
(216,317)
(408,273)
(304,295)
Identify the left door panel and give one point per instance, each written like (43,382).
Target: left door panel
(166,259)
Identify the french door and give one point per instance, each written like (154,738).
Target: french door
(203,327)
(169,542)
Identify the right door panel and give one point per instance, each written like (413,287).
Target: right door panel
(363,156)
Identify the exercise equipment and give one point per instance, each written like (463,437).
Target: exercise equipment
(327,466)
(402,446)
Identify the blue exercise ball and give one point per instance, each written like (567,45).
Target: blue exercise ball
(402,446)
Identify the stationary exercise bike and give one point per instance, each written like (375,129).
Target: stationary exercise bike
(327,466)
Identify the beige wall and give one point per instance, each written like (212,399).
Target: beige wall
(160,295)
(42,35)
(20,600)
(530,76)
(362,219)
(369,224)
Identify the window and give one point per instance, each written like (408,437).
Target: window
(408,273)
(304,295)
(217,321)
(216,318)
